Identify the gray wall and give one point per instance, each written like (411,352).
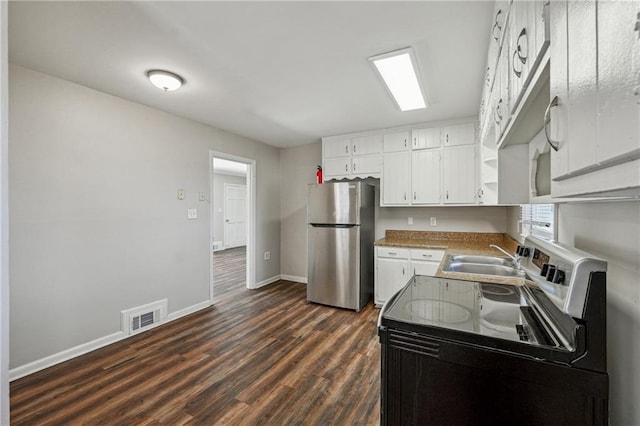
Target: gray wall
(298,169)
(219,180)
(612,231)
(4,220)
(96,226)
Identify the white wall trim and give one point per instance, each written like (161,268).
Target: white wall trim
(294,278)
(67,354)
(267,281)
(188,310)
(51,360)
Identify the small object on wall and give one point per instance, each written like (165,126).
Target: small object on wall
(192,213)
(319,174)
(180,194)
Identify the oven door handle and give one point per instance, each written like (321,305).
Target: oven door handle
(384,308)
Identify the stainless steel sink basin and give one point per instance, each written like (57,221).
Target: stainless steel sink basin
(483,269)
(489,260)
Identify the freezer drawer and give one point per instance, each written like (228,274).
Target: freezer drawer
(334,266)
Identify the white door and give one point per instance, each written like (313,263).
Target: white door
(235,212)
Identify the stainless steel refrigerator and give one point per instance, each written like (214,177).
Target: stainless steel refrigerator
(340,219)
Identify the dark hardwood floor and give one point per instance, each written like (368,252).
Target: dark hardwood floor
(256,357)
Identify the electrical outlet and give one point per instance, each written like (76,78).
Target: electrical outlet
(410,221)
(180,194)
(267,255)
(192,213)
(434,222)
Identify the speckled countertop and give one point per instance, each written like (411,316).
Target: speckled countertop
(455,243)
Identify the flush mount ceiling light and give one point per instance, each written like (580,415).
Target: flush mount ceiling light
(165,80)
(399,71)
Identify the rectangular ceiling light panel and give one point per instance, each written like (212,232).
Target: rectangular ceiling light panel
(398,70)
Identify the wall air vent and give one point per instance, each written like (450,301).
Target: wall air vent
(141,318)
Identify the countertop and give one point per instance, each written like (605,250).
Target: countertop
(456,243)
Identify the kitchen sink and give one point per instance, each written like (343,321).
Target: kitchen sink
(489,260)
(483,269)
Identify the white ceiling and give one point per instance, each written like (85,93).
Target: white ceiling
(285,73)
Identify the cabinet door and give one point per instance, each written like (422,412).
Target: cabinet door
(424,268)
(394,142)
(366,145)
(582,78)
(425,177)
(367,164)
(519,55)
(558,83)
(618,79)
(396,179)
(425,138)
(459,175)
(337,148)
(391,276)
(336,167)
(459,134)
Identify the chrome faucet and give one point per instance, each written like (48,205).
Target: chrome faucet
(515,259)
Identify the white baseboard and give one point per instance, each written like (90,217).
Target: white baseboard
(51,360)
(67,354)
(188,310)
(294,278)
(267,281)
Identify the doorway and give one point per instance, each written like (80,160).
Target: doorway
(232,224)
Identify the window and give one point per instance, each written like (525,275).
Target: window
(537,220)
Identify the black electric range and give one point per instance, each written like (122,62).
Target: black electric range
(464,352)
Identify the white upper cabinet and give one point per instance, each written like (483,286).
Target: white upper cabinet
(459,175)
(396,179)
(398,141)
(366,145)
(425,138)
(425,176)
(459,134)
(349,158)
(594,117)
(618,80)
(337,148)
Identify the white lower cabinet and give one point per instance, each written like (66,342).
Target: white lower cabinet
(396,265)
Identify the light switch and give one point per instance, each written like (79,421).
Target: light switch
(192,213)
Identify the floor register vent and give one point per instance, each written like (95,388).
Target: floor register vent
(141,318)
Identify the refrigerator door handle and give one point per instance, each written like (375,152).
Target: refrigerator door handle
(331,225)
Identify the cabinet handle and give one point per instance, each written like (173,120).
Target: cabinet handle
(636,27)
(354,149)
(480,193)
(354,166)
(427,256)
(414,195)
(391,253)
(447,195)
(519,49)
(405,142)
(405,196)
(346,149)
(403,270)
(496,26)
(346,167)
(447,137)
(553,144)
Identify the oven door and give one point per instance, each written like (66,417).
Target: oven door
(433,381)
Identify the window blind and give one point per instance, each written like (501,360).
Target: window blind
(538,220)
